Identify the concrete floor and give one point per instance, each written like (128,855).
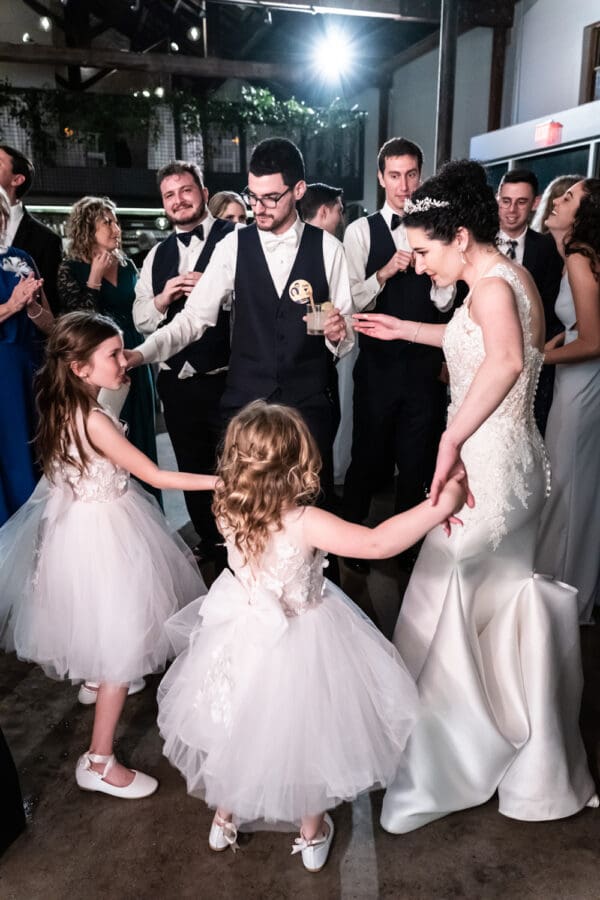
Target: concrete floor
(91,846)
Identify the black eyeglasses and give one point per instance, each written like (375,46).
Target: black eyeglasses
(269,201)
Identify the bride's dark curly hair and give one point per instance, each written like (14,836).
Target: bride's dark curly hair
(269,463)
(585,234)
(462,184)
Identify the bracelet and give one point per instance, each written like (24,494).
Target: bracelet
(417,330)
(94,286)
(37,315)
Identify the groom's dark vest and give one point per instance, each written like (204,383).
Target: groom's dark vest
(271,354)
(407,296)
(211,351)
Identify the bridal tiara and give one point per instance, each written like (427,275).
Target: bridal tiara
(423,205)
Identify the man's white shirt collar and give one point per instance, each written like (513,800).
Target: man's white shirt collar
(14,220)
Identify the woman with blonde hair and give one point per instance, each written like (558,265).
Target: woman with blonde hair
(228,205)
(96,276)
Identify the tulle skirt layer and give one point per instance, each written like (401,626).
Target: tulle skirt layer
(274,718)
(86,587)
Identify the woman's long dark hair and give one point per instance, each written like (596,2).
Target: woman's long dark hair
(61,394)
(585,234)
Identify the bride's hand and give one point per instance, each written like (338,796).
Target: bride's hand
(449,465)
(557,341)
(378,325)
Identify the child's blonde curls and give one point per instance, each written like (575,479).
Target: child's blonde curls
(269,463)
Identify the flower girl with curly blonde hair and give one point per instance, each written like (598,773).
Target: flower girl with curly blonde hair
(285,699)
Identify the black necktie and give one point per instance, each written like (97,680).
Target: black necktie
(186,236)
(510,249)
(396,219)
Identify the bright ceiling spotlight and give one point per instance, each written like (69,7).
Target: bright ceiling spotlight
(159,91)
(193,33)
(268,17)
(174,46)
(27,39)
(45,23)
(333,55)
(145,93)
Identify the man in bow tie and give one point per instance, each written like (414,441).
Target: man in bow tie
(399,400)
(191,381)
(517,199)
(272,356)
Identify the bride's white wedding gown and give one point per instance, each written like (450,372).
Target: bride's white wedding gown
(494,648)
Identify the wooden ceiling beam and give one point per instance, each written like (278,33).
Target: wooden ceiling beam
(156,63)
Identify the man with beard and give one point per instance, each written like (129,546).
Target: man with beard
(191,381)
(272,356)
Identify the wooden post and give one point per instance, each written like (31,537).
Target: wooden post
(446,79)
(497,78)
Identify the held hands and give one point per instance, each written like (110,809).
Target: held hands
(134,358)
(378,325)
(334,327)
(25,292)
(453,497)
(399,262)
(449,465)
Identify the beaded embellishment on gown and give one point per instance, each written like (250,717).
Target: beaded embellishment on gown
(493,647)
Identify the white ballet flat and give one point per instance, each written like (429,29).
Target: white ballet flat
(222,835)
(90,780)
(316,851)
(88,692)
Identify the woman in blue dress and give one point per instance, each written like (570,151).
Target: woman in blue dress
(23,322)
(98,277)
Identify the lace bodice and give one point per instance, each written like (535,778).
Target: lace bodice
(101,481)
(507,446)
(289,572)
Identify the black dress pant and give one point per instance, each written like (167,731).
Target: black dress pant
(194,422)
(399,415)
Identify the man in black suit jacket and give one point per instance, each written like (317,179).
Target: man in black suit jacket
(24,231)
(517,198)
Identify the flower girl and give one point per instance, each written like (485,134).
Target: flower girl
(286,700)
(89,571)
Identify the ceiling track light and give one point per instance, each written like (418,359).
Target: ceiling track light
(268,17)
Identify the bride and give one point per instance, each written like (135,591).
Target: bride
(493,647)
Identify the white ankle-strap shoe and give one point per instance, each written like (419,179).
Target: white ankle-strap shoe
(223,834)
(315,851)
(88,692)
(90,780)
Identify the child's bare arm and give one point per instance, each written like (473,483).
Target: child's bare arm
(109,440)
(335,535)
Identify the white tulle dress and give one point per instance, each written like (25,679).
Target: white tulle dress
(494,648)
(286,699)
(89,573)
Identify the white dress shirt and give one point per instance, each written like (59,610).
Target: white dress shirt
(14,220)
(202,306)
(357,244)
(503,245)
(146,316)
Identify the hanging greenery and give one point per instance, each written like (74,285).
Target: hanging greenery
(51,116)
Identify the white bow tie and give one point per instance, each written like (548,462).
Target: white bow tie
(272,242)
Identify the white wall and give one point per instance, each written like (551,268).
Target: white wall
(543,68)
(414,96)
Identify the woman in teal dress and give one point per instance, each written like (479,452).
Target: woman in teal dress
(23,323)
(97,276)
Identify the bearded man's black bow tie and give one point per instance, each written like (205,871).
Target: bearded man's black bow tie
(186,236)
